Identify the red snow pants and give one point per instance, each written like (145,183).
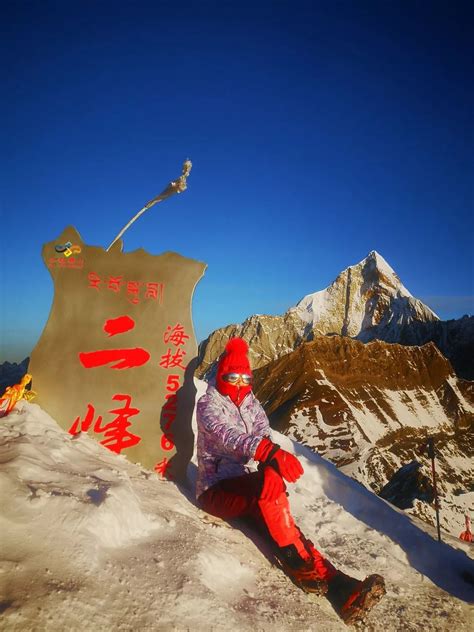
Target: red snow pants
(239,497)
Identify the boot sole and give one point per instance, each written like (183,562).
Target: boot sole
(370,595)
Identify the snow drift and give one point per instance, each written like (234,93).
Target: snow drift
(91,541)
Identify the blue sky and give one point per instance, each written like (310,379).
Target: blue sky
(318,131)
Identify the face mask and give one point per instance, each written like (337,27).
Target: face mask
(236,392)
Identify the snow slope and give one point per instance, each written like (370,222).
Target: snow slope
(90,541)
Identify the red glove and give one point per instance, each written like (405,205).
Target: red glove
(273,485)
(286,463)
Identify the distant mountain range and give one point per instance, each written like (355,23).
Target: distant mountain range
(367,301)
(368,408)
(11,373)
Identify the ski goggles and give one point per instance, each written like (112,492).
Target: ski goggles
(233,378)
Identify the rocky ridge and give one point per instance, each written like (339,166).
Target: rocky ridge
(369,407)
(454,338)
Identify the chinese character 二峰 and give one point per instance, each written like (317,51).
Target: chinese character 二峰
(117,436)
(86,422)
(123,358)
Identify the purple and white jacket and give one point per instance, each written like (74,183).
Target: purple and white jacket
(227,437)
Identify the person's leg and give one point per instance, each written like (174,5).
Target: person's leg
(292,544)
(240,497)
(280,523)
(233,497)
(352,599)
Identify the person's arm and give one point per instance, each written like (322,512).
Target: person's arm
(228,438)
(285,463)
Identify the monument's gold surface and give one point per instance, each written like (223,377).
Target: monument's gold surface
(117,355)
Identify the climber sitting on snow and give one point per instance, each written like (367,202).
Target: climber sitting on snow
(233,429)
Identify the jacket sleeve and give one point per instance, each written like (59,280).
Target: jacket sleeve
(226,438)
(261,424)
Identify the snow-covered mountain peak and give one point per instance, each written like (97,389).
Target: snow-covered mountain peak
(363,296)
(367,301)
(376,270)
(373,254)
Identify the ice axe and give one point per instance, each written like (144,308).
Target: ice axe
(430,449)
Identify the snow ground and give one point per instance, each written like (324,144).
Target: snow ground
(90,541)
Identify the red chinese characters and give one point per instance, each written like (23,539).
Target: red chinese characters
(162,468)
(116,434)
(170,360)
(118,325)
(134,289)
(71,263)
(155,291)
(114,283)
(169,411)
(175,336)
(94,280)
(116,358)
